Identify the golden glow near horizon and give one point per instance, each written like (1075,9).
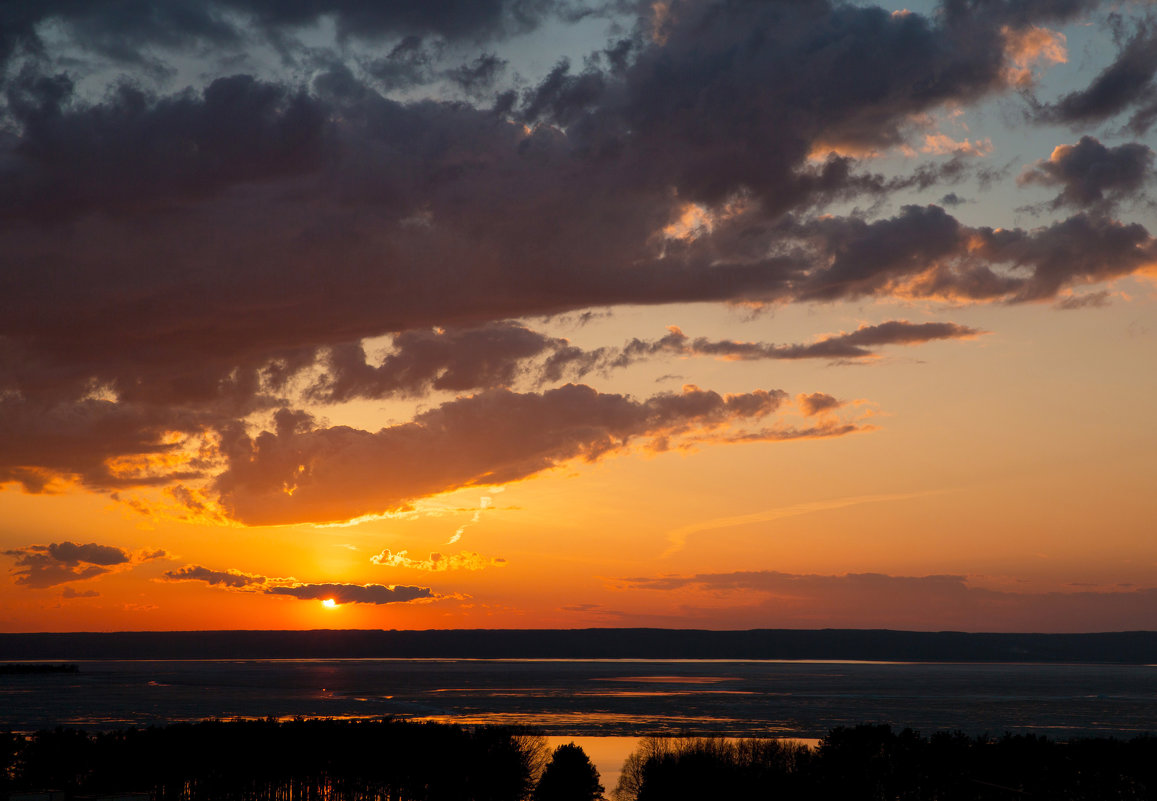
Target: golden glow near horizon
(497,342)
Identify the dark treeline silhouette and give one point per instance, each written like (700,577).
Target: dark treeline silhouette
(267,760)
(386,760)
(1129,647)
(876,763)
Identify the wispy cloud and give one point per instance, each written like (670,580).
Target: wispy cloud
(437,562)
(678,537)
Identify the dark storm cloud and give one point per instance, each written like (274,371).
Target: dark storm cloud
(478,76)
(737,96)
(767,599)
(410,62)
(420,211)
(369,19)
(40,566)
(354,593)
(1092,175)
(173,262)
(299,473)
(726,96)
(123,30)
(134,152)
(1126,83)
(118,30)
(562,98)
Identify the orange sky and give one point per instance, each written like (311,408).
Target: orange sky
(414,318)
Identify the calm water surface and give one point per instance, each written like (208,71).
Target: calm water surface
(602,705)
(601,697)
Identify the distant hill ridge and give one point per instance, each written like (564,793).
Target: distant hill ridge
(1131,647)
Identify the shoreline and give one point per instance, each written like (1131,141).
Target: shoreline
(771,645)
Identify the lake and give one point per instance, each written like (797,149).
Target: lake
(601,698)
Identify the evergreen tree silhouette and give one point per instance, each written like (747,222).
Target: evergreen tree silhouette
(569,776)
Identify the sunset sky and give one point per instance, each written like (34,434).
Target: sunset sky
(518,313)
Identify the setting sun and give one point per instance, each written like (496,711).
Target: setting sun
(329,603)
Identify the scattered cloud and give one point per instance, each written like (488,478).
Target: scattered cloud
(41,566)
(1029,48)
(232,579)
(1126,83)
(1092,175)
(437,562)
(338,593)
(940,144)
(817,403)
(354,593)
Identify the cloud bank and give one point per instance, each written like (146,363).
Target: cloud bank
(193,249)
(304,473)
(770,599)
